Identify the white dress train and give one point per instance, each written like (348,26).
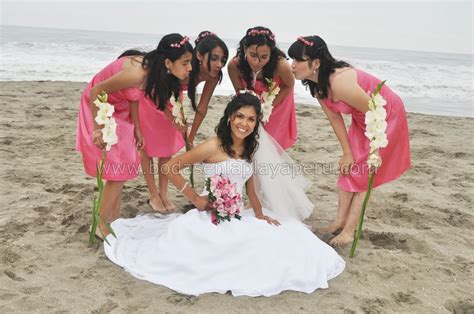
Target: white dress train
(189,254)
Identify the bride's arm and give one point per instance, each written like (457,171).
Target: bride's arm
(173,170)
(255,203)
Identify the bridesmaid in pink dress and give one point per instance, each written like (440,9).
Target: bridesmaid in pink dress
(257,60)
(341,89)
(155,75)
(162,139)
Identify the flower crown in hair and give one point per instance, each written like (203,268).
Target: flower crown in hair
(246,91)
(306,42)
(181,43)
(257,32)
(203,35)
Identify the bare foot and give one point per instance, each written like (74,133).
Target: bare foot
(170,207)
(101,232)
(342,239)
(157,205)
(333,228)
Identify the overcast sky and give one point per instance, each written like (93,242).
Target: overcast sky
(423,25)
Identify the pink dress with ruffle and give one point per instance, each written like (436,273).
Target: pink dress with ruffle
(282,123)
(395,157)
(122,161)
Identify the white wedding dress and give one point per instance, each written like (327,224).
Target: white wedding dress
(189,254)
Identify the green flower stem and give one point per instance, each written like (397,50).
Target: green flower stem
(188,148)
(96,218)
(358,231)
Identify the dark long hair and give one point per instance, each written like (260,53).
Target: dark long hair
(224,132)
(160,84)
(252,37)
(302,51)
(205,43)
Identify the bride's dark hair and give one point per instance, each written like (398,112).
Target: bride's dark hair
(224,132)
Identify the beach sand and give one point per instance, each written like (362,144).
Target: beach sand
(416,254)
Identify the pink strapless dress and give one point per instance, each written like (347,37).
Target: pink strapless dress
(122,161)
(395,157)
(282,122)
(162,139)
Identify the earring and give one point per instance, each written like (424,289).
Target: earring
(168,71)
(228,121)
(200,62)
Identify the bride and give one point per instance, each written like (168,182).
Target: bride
(262,254)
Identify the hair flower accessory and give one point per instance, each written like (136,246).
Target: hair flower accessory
(306,42)
(181,43)
(257,32)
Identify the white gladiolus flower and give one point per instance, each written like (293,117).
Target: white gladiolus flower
(105,111)
(107,108)
(177,111)
(177,105)
(374,160)
(101,117)
(267,111)
(379,141)
(268,98)
(380,113)
(379,101)
(370,118)
(109,134)
(381,127)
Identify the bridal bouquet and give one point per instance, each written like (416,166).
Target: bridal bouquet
(178,107)
(109,136)
(226,202)
(268,98)
(375,132)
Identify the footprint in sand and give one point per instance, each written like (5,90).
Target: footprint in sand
(107,307)
(13,276)
(459,219)
(460,306)
(304,114)
(400,197)
(461,197)
(181,299)
(393,241)
(405,298)
(375,305)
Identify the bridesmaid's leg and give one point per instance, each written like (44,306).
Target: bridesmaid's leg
(347,234)
(109,210)
(345,199)
(148,169)
(163,184)
(116,208)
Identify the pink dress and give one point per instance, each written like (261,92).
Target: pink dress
(162,139)
(282,122)
(395,157)
(122,161)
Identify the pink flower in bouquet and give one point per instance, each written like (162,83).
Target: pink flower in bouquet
(225,200)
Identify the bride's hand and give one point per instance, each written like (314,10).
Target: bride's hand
(270,220)
(202,203)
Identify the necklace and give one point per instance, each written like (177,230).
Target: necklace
(254,74)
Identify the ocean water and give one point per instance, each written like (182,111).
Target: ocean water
(428,82)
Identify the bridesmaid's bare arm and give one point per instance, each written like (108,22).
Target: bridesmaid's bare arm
(234,75)
(345,87)
(287,83)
